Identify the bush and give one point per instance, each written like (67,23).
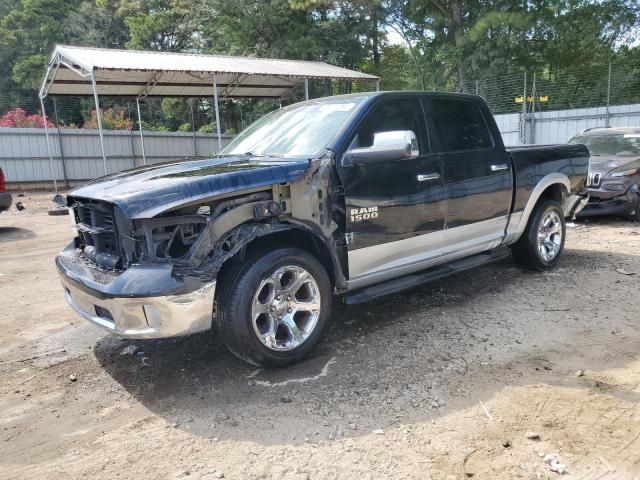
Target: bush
(185,127)
(152,127)
(18,118)
(112,119)
(230,131)
(208,128)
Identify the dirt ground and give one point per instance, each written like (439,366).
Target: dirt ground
(445,381)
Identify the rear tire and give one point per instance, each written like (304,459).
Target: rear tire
(273,307)
(542,242)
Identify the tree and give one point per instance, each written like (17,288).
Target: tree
(165,25)
(29,30)
(463,39)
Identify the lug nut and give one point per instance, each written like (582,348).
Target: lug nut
(289,310)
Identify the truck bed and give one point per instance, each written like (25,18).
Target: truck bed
(533,162)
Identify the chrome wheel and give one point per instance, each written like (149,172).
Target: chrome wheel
(550,236)
(286,308)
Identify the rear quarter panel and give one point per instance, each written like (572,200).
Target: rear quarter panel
(533,163)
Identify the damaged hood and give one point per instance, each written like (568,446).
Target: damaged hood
(145,192)
(605,164)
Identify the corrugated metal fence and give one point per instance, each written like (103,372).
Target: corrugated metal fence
(24,158)
(560,125)
(77,155)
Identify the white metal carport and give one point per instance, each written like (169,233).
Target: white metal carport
(98,71)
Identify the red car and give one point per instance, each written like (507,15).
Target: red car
(5,198)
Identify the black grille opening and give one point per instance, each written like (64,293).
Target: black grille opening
(97,229)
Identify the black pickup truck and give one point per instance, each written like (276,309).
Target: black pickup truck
(355,196)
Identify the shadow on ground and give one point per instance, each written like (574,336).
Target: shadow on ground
(403,359)
(10,234)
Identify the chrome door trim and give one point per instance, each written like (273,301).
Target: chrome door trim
(378,263)
(499,168)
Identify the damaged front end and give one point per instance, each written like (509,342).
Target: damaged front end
(148,278)
(156,277)
(617,193)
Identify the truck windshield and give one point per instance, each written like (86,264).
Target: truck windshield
(619,145)
(302,130)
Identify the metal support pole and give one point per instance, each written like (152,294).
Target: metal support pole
(46,134)
(306,89)
(144,157)
(99,117)
(131,140)
(215,102)
(193,131)
(377,85)
(477,87)
(608,96)
(534,94)
(523,113)
(64,167)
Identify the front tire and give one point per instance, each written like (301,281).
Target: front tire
(542,242)
(273,307)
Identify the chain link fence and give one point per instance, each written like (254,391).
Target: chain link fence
(560,89)
(157,114)
(161,114)
(545,106)
(616,83)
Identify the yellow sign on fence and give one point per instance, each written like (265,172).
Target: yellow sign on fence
(541,98)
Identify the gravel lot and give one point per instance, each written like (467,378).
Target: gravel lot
(446,381)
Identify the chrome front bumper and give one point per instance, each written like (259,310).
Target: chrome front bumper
(119,310)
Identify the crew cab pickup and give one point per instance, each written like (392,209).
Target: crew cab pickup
(354,196)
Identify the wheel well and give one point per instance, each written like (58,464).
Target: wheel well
(294,237)
(556,192)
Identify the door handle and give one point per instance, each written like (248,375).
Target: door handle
(428,176)
(499,168)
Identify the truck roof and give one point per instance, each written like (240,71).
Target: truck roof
(396,93)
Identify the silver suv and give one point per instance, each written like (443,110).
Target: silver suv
(614,171)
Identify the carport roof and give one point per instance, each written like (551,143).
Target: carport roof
(149,73)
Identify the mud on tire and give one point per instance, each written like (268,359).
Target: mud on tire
(258,295)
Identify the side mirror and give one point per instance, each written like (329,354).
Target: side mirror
(382,153)
(395,137)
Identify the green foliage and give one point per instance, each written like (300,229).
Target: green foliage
(208,128)
(111,118)
(507,36)
(154,127)
(166,25)
(395,69)
(444,45)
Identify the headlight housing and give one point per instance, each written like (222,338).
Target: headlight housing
(626,173)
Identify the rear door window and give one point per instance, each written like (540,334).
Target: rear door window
(459,125)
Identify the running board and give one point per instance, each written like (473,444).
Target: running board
(398,284)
